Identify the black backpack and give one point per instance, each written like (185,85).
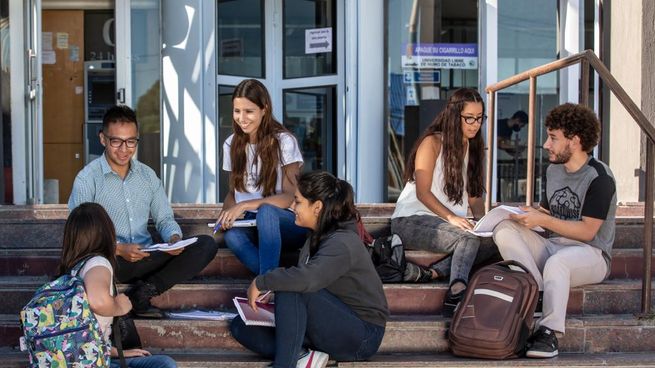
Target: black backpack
(388,256)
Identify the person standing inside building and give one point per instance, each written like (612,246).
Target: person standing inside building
(578,208)
(506,128)
(264,160)
(443,179)
(331,304)
(131,192)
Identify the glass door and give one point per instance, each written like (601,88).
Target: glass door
(138,71)
(295,47)
(33,112)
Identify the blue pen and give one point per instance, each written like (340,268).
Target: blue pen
(217,227)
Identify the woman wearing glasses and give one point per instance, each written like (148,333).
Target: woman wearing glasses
(263,159)
(443,179)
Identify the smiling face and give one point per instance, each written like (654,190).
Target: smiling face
(558,146)
(248,116)
(307,212)
(119,157)
(471,110)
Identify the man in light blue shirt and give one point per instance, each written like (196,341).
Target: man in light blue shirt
(131,193)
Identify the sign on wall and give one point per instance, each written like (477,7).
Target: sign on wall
(440,56)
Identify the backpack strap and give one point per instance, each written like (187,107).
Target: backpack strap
(118,338)
(78,267)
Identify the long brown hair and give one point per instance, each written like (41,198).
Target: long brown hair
(268,146)
(338,202)
(448,123)
(88,231)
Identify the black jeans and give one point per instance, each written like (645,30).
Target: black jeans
(319,321)
(164,270)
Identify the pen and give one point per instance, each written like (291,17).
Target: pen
(217,227)
(261,297)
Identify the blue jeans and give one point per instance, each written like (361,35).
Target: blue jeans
(259,248)
(153,361)
(319,321)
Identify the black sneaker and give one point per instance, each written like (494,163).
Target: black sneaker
(416,273)
(539,311)
(140,295)
(543,344)
(451,301)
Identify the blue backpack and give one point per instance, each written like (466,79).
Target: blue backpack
(59,327)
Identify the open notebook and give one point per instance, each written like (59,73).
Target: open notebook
(488,222)
(165,246)
(265,315)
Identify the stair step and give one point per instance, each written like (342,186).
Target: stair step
(12,359)
(626,263)
(404,334)
(613,296)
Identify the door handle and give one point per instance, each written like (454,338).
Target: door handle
(120,96)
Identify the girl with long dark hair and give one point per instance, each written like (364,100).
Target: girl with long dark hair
(89,236)
(263,159)
(443,179)
(332,302)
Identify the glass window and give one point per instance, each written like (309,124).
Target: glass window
(527,37)
(241,38)
(6,194)
(224,131)
(432,49)
(146,71)
(309,38)
(310,114)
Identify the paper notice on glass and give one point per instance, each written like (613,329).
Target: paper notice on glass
(318,40)
(62,40)
(48,57)
(46,41)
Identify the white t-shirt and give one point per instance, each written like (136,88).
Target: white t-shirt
(290,154)
(99,261)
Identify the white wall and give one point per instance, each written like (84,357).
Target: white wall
(625,65)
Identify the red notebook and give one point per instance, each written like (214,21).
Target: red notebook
(265,315)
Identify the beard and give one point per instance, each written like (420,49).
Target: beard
(561,157)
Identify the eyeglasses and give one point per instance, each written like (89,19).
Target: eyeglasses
(472,119)
(118,142)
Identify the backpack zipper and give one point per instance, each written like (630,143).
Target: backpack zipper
(63,332)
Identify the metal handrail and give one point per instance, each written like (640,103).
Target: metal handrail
(586,59)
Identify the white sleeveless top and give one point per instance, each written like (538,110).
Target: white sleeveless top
(409,205)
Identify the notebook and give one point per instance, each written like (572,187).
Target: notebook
(265,315)
(165,246)
(488,222)
(239,223)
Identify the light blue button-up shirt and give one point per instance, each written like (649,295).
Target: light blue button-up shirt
(128,202)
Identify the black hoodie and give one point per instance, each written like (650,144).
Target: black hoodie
(342,266)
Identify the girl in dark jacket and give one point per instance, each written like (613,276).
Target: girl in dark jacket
(332,302)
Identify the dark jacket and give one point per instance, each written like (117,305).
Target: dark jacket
(343,267)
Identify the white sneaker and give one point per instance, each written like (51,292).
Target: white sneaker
(313,359)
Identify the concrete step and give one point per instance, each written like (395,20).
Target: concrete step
(626,263)
(12,359)
(404,334)
(613,296)
(45,223)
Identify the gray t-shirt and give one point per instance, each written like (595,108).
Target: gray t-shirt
(589,192)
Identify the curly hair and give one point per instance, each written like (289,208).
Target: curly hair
(575,119)
(448,123)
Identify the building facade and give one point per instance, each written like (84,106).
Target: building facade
(355,81)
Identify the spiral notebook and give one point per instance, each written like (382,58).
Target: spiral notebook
(264,316)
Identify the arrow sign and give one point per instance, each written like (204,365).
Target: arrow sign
(318,40)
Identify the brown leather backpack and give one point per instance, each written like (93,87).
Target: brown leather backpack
(495,318)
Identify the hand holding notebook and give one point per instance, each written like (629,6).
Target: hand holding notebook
(263,316)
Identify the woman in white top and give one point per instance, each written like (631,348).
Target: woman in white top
(443,179)
(90,232)
(264,160)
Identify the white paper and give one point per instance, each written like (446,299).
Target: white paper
(239,223)
(488,222)
(62,40)
(48,57)
(167,247)
(318,40)
(46,41)
(204,315)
